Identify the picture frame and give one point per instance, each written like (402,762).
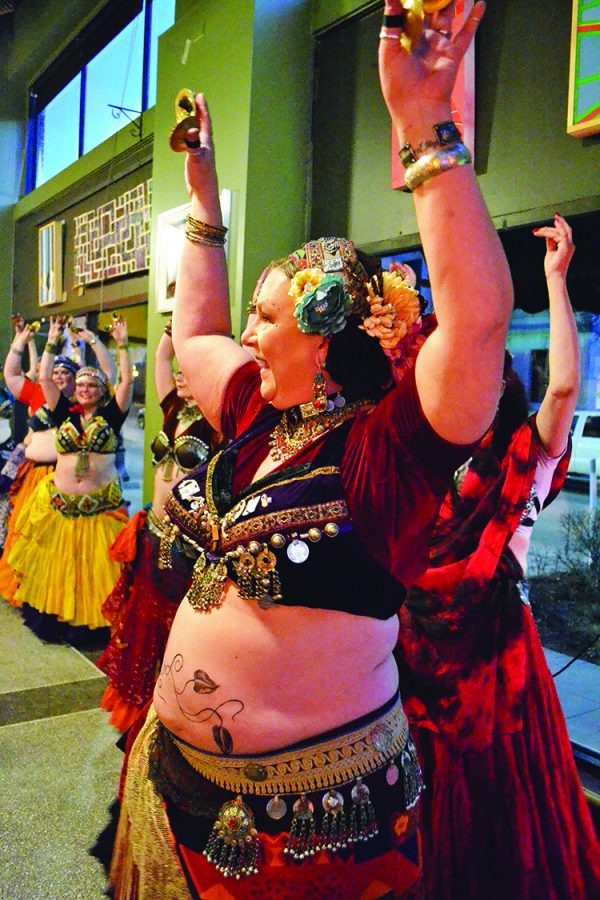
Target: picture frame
(50,263)
(583,115)
(170,235)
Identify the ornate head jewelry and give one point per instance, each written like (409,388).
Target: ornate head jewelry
(92,372)
(65,362)
(328,286)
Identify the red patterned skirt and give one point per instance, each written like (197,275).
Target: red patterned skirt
(510,820)
(140,609)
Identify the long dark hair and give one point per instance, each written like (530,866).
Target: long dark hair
(513,410)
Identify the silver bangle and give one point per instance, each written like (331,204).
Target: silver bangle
(433,164)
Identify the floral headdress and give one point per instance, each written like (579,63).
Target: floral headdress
(331,285)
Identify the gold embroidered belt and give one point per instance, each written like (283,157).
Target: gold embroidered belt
(108,497)
(306,767)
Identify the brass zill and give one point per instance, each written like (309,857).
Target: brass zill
(185,117)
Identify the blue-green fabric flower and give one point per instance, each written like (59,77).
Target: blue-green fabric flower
(325,309)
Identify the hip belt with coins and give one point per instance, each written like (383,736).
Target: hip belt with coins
(336,764)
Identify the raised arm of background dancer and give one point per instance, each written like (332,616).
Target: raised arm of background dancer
(13,365)
(459,369)
(201,322)
(556,410)
(55,332)
(33,358)
(124,387)
(100,351)
(164,379)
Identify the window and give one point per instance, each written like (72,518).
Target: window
(592,427)
(107,77)
(58,132)
(539,375)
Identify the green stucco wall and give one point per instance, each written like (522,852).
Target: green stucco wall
(252,60)
(527,164)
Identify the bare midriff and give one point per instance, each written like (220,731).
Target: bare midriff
(101,471)
(271,677)
(40,446)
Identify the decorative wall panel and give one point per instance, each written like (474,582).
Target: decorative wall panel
(114,239)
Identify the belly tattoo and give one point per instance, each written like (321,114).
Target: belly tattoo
(184,693)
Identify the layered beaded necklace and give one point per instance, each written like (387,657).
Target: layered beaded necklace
(301,425)
(188,413)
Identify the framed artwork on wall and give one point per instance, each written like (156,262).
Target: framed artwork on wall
(170,235)
(50,264)
(583,116)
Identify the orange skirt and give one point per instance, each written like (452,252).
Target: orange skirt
(29,475)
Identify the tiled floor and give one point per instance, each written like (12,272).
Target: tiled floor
(59,768)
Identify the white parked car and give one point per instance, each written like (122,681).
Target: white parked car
(585,434)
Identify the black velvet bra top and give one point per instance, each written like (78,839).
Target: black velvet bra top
(286,539)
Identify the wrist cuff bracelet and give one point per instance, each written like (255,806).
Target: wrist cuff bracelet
(52,349)
(445,133)
(435,163)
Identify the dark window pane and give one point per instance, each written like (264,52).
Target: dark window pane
(574,423)
(58,133)
(114,76)
(592,427)
(539,375)
(163,16)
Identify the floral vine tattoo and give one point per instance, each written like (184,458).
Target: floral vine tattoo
(201,683)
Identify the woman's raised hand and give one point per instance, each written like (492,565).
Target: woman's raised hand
(56,327)
(118,329)
(559,246)
(423,78)
(200,171)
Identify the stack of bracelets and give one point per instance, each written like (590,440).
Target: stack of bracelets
(200,233)
(421,166)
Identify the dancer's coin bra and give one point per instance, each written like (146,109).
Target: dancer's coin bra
(286,539)
(186,451)
(98,436)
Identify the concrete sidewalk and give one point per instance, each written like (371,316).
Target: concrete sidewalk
(579,691)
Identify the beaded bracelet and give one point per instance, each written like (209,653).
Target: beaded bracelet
(435,163)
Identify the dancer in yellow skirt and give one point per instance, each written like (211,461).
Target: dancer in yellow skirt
(40,452)
(73,516)
(40,449)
